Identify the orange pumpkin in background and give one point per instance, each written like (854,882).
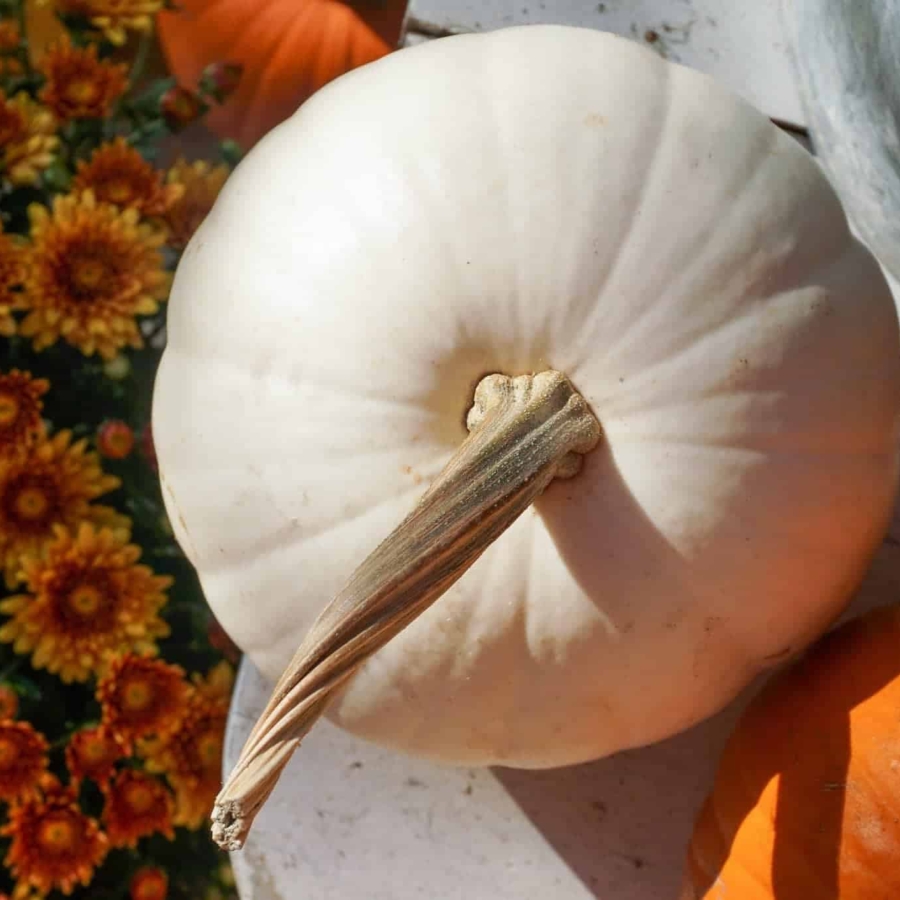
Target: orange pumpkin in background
(806,802)
(288,50)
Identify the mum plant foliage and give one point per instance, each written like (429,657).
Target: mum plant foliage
(114,677)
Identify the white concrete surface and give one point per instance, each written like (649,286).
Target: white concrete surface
(739,42)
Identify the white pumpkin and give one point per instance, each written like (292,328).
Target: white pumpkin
(848,60)
(534,198)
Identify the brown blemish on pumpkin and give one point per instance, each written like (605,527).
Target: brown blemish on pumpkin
(416,477)
(594,120)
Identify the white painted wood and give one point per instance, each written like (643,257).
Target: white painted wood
(350,821)
(739,42)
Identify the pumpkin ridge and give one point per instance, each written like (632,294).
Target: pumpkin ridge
(651,172)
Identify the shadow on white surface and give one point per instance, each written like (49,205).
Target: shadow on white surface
(351,821)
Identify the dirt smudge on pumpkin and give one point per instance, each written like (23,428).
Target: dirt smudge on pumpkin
(594,120)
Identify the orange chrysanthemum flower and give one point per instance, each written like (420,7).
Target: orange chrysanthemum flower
(23,759)
(12,276)
(51,484)
(9,702)
(201,185)
(78,84)
(149,883)
(27,138)
(10,38)
(93,753)
(191,756)
(115,17)
(87,599)
(141,696)
(137,805)
(54,844)
(20,411)
(118,174)
(94,268)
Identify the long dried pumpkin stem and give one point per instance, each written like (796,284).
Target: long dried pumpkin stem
(524,432)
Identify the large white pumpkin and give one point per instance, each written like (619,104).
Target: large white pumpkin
(527,199)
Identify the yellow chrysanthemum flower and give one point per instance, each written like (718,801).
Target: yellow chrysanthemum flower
(87,600)
(141,697)
(80,85)
(52,483)
(191,756)
(115,18)
(118,174)
(201,184)
(27,138)
(54,844)
(20,411)
(94,268)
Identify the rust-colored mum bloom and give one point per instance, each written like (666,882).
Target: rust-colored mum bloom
(141,696)
(201,183)
(93,753)
(78,84)
(9,702)
(9,44)
(115,18)
(12,276)
(94,268)
(115,439)
(87,600)
(118,174)
(23,759)
(51,484)
(20,411)
(137,805)
(191,756)
(54,844)
(149,883)
(27,138)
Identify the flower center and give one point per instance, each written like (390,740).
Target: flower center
(85,600)
(31,504)
(81,91)
(88,273)
(119,190)
(137,695)
(9,409)
(57,834)
(8,753)
(139,797)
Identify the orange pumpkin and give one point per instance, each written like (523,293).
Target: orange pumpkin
(288,49)
(806,802)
